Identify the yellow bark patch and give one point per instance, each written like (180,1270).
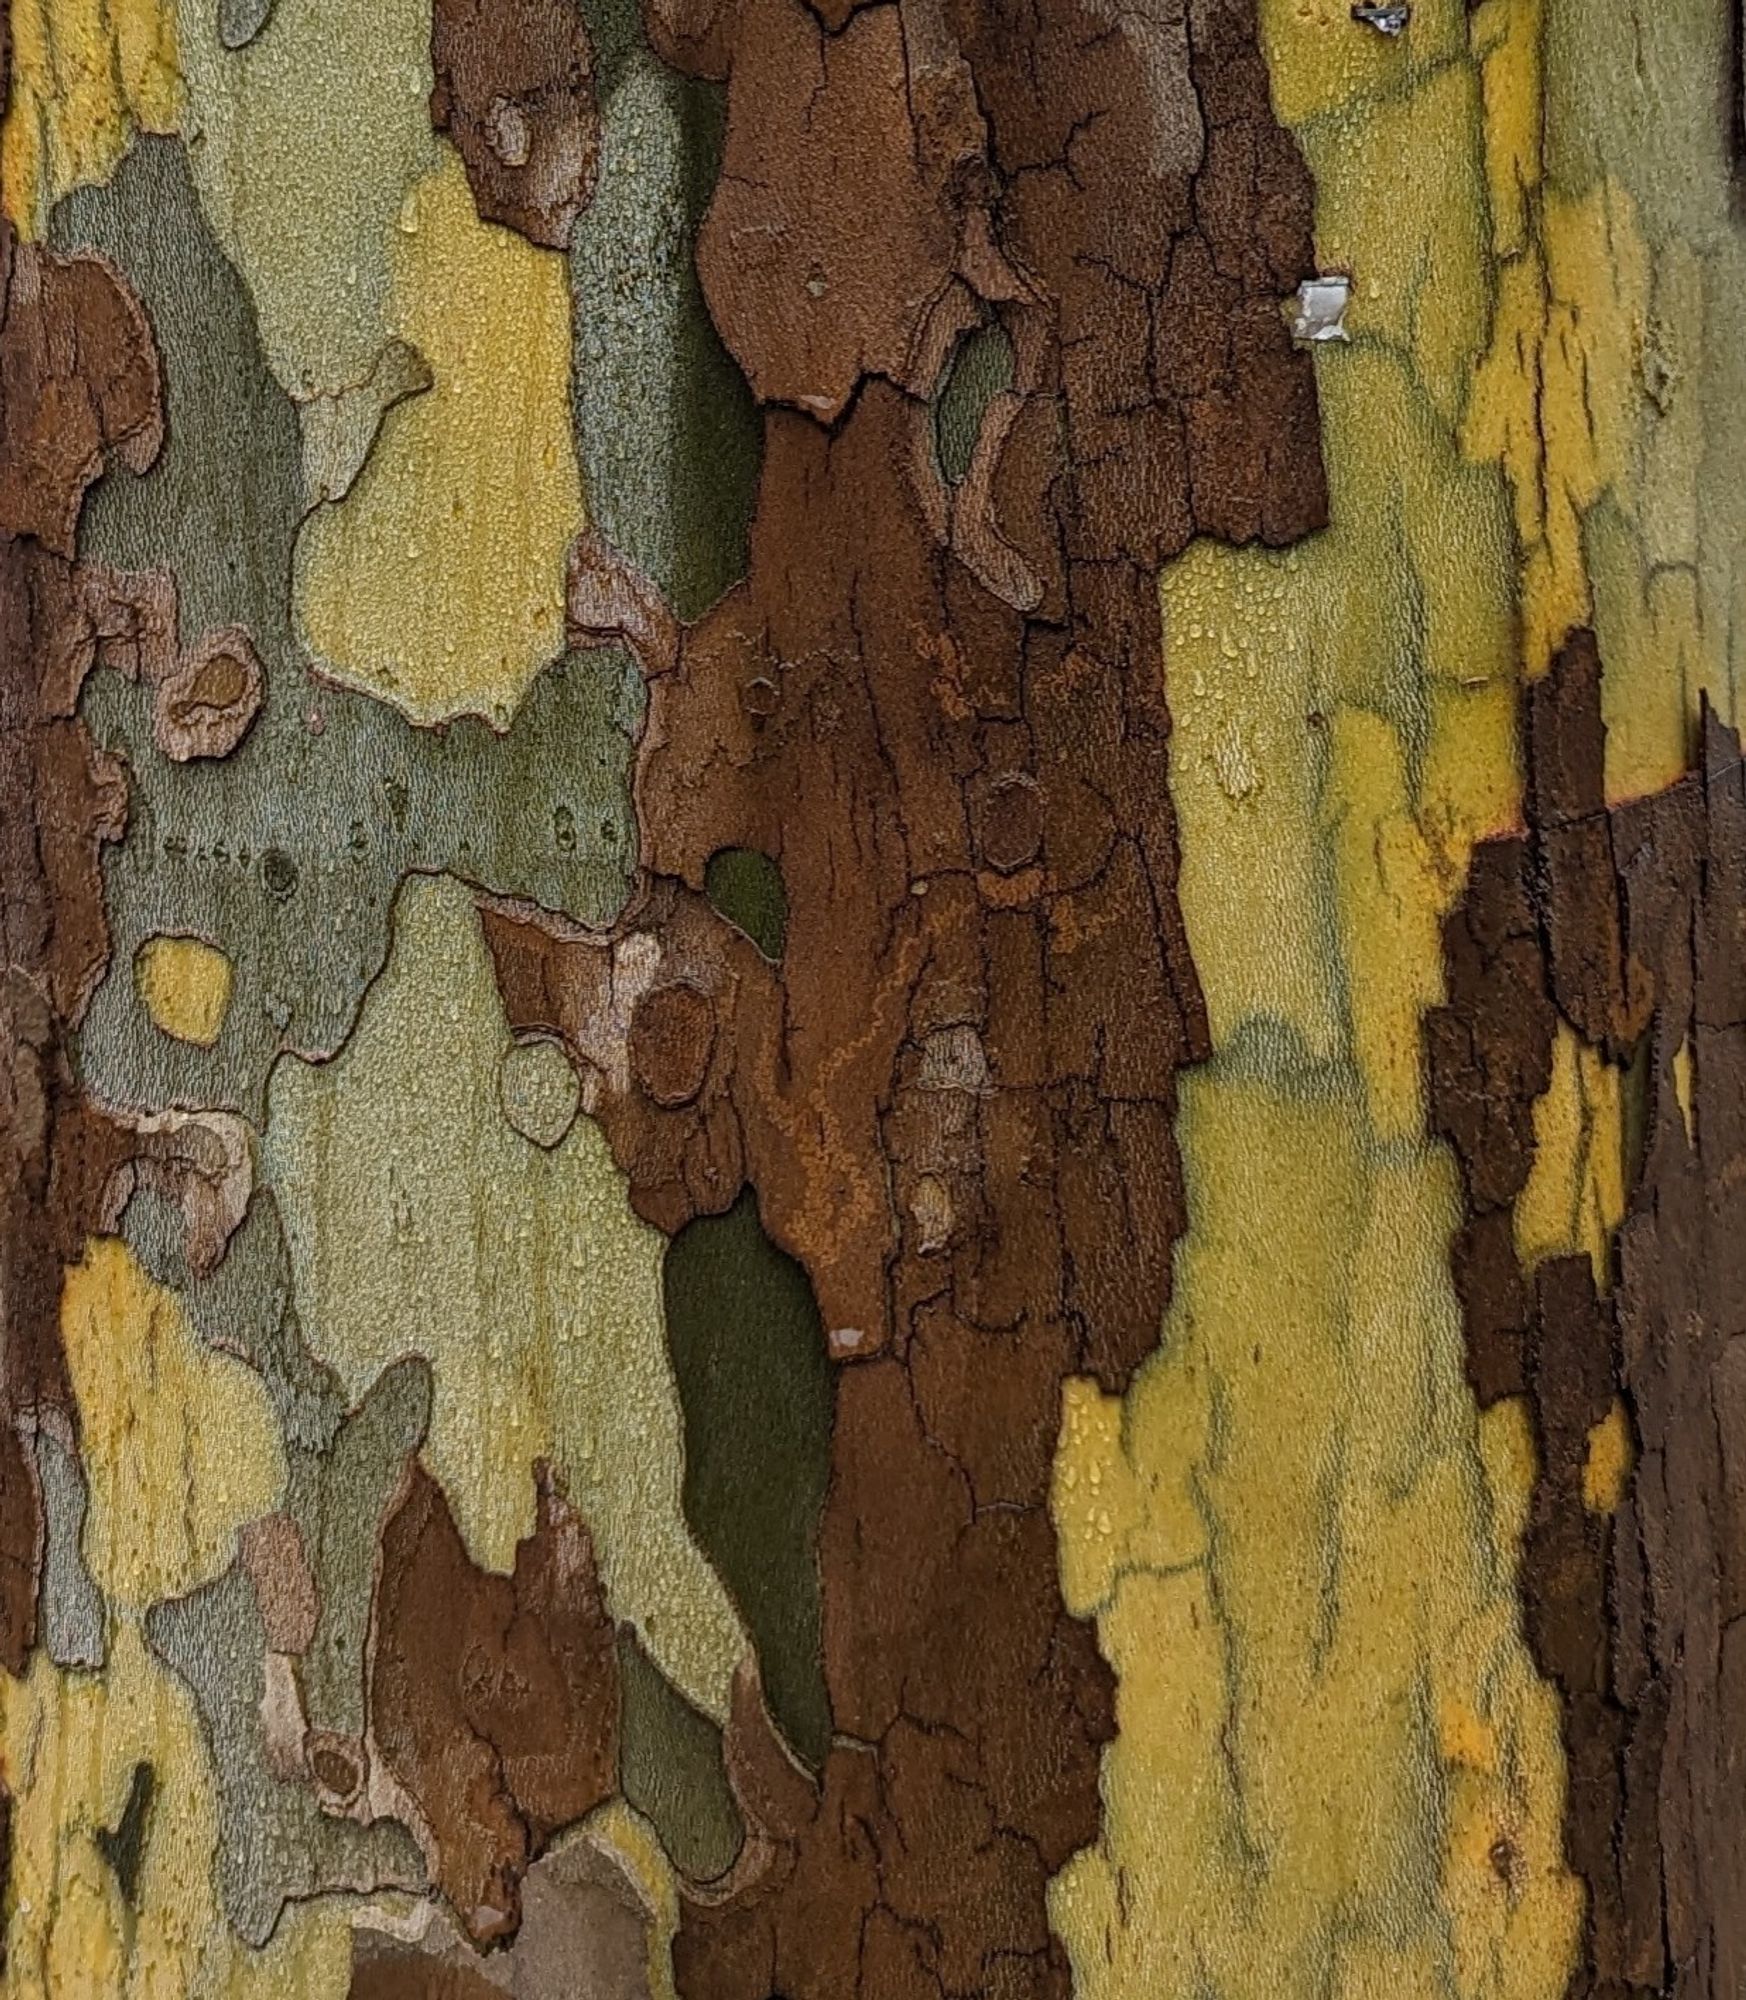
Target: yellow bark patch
(86,74)
(1575,1196)
(179,1442)
(438,582)
(185,987)
(1682,1089)
(180,1448)
(69,1743)
(1607,1464)
(420,1219)
(1337,1771)
(1389,903)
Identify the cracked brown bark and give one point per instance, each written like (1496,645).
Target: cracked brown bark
(1627,924)
(514,89)
(941,710)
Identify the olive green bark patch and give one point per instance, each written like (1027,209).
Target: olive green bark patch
(305,140)
(671,1768)
(759,1395)
(746,888)
(980,369)
(338,1502)
(245,1307)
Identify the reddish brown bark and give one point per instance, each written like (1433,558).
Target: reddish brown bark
(514,90)
(494,1699)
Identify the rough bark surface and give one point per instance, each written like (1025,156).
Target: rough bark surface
(940,710)
(936,704)
(1625,924)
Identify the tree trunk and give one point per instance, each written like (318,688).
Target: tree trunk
(874,891)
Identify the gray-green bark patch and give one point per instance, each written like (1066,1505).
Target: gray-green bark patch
(287,854)
(667,435)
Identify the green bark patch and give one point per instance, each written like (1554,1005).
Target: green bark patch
(759,1398)
(746,888)
(671,1768)
(979,370)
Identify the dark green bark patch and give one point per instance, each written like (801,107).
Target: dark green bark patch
(746,888)
(123,1845)
(980,369)
(671,1768)
(759,1396)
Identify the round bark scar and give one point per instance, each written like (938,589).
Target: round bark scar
(1010,826)
(672,1037)
(539,1090)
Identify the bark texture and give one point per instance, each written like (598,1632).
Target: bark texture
(638,969)
(1622,926)
(939,708)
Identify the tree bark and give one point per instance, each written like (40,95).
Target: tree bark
(873,886)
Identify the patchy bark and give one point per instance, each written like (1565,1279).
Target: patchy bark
(78,385)
(1008,297)
(939,709)
(1624,924)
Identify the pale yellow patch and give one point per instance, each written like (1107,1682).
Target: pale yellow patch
(1682,1089)
(1575,1196)
(438,582)
(185,986)
(179,1442)
(69,1743)
(420,1220)
(1607,1464)
(1092,1497)
(86,75)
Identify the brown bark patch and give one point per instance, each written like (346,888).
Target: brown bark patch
(515,91)
(494,1699)
(79,382)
